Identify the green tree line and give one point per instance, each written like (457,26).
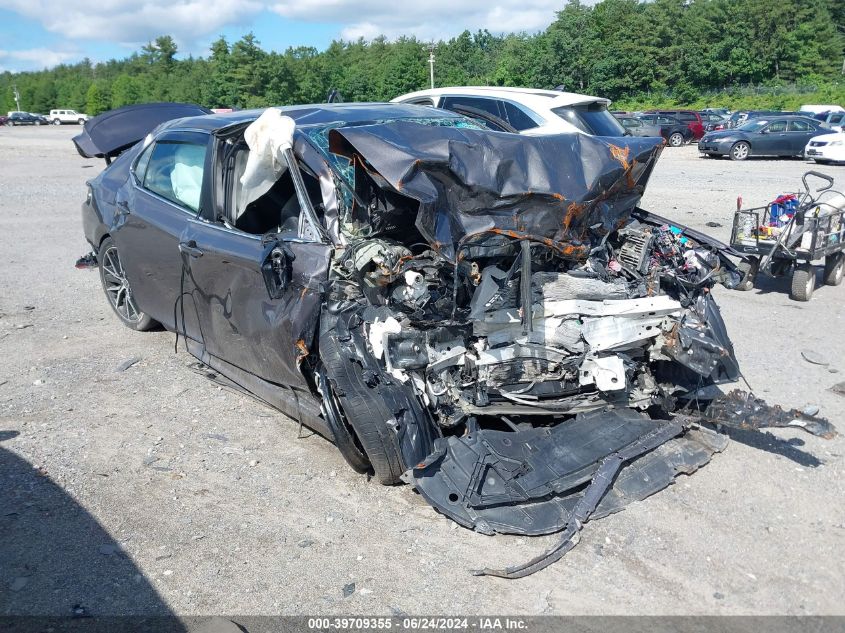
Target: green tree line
(684,52)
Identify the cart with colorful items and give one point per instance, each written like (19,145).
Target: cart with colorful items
(791,233)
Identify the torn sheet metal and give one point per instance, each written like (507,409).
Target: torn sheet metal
(700,342)
(745,411)
(467,182)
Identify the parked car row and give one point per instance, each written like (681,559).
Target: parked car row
(56,117)
(25,118)
(778,135)
(527,111)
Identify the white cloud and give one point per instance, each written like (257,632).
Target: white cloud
(130,21)
(433,19)
(35,58)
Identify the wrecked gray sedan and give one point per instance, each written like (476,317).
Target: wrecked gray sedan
(488,317)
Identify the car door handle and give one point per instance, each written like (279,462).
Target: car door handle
(190,248)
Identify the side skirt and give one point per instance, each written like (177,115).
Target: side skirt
(296,404)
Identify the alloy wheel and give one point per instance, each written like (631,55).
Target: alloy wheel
(740,151)
(117,286)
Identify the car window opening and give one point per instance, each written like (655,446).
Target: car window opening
(175,172)
(592,118)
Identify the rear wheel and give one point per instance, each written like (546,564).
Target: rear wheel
(834,269)
(803,282)
(57,122)
(81,121)
(740,150)
(118,292)
(676,139)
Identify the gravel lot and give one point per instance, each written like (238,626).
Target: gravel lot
(151,490)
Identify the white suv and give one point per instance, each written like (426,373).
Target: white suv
(57,117)
(529,111)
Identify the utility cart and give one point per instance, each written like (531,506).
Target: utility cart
(789,234)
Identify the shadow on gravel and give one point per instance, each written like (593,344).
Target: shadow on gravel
(773,444)
(57,560)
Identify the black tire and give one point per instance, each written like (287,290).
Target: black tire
(117,291)
(834,269)
(676,139)
(57,122)
(740,150)
(81,121)
(749,270)
(365,411)
(803,282)
(344,436)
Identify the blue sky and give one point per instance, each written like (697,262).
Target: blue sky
(37,34)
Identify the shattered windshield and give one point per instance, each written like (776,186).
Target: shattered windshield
(320,137)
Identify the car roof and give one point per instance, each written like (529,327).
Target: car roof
(787,117)
(531,97)
(316,114)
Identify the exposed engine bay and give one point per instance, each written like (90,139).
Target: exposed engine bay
(544,350)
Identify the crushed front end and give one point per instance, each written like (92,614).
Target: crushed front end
(551,352)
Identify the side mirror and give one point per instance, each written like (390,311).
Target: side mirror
(276,268)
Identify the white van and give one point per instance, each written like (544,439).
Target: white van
(57,117)
(818,109)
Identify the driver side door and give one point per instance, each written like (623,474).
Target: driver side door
(771,140)
(258,294)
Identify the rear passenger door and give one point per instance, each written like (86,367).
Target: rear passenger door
(799,133)
(166,190)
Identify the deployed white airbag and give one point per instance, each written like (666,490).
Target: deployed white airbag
(267,137)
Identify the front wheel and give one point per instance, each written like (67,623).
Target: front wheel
(740,151)
(834,269)
(676,139)
(365,439)
(118,292)
(803,282)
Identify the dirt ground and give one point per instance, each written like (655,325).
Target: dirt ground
(152,490)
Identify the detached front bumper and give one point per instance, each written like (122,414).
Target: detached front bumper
(540,480)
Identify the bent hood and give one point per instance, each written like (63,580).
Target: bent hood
(110,133)
(468,182)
